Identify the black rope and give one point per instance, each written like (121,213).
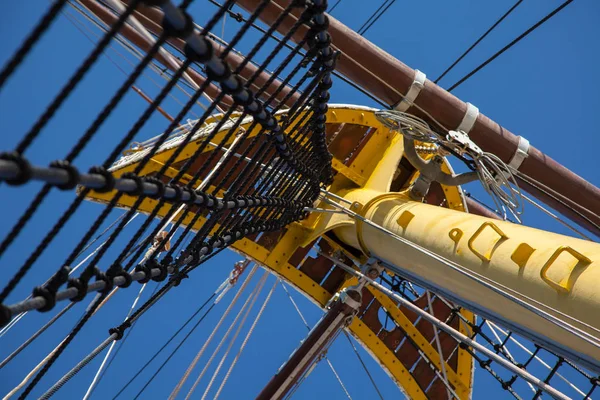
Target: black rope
(491,28)
(374,17)
(359,30)
(63,345)
(508,46)
(26,343)
(333,7)
(283,177)
(164,363)
(31,40)
(182,327)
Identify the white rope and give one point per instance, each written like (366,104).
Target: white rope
(75,268)
(495,176)
(493,325)
(32,372)
(243,345)
(500,183)
(439,346)
(458,336)
(235,335)
(509,355)
(258,286)
(308,327)
(110,349)
(35,369)
(192,365)
(556,217)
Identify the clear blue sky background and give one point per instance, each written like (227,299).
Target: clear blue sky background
(545,89)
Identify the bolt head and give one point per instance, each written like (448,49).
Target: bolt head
(373,273)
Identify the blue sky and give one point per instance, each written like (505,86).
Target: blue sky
(545,88)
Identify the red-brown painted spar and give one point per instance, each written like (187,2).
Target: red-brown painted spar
(152,18)
(388,79)
(304,356)
(138,40)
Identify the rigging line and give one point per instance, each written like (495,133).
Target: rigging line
(35,335)
(492,325)
(53,356)
(190,368)
(556,217)
(311,368)
(182,327)
(149,303)
(22,314)
(463,55)
(135,53)
(110,349)
(97,302)
(509,356)
(289,295)
(94,306)
(458,336)
(161,72)
(31,40)
(371,17)
(120,346)
(439,346)
(333,7)
(334,72)
(249,301)
(175,64)
(363,365)
(379,16)
(508,46)
(80,27)
(243,345)
(500,289)
(174,350)
(31,373)
(566,202)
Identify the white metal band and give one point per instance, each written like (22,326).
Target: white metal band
(521,153)
(413,92)
(469,119)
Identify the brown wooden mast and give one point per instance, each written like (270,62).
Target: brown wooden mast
(151,19)
(388,79)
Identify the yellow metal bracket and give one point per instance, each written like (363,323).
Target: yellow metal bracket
(348,172)
(455,234)
(566,284)
(411,330)
(387,358)
(487,255)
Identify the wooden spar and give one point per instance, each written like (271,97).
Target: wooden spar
(387,78)
(312,348)
(152,18)
(138,40)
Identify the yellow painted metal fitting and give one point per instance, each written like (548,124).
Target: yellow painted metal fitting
(487,255)
(566,283)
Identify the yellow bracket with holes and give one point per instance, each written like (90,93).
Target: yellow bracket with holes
(460,383)
(455,234)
